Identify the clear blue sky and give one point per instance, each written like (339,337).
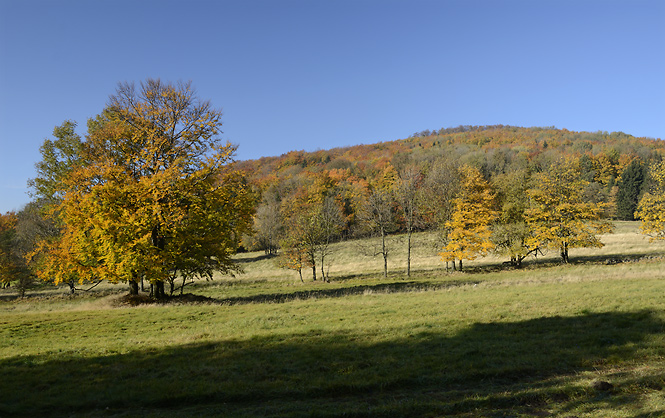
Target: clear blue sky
(306,74)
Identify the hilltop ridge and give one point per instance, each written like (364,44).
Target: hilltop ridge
(492,147)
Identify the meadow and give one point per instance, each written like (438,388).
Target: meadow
(585,339)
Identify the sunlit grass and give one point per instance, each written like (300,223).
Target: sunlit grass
(489,342)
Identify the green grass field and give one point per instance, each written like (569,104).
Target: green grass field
(488,342)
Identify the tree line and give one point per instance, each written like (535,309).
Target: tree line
(151,195)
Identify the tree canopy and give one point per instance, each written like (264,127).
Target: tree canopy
(559,216)
(651,208)
(156,199)
(470,226)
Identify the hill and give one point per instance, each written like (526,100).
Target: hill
(495,148)
(505,155)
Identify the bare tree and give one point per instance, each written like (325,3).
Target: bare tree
(407,194)
(269,225)
(441,185)
(378,216)
(331,223)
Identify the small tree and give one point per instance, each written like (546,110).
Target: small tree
(474,213)
(330,223)
(379,218)
(407,194)
(268,224)
(294,257)
(301,234)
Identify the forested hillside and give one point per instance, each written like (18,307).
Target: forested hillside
(543,187)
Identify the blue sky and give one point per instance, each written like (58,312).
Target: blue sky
(305,74)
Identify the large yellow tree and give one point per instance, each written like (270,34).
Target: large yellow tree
(157,199)
(651,208)
(558,216)
(473,214)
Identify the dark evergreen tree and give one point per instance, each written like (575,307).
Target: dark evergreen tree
(629,188)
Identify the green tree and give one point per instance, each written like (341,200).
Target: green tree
(558,215)
(59,158)
(629,190)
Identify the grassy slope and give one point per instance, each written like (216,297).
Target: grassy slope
(488,342)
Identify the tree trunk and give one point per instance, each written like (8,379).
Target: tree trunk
(384,252)
(460,264)
(564,253)
(159,290)
(314,272)
(133,287)
(408,254)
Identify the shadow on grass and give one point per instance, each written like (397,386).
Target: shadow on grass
(245,260)
(542,262)
(514,367)
(614,258)
(396,287)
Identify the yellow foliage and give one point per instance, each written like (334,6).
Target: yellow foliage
(558,216)
(156,199)
(651,208)
(473,215)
